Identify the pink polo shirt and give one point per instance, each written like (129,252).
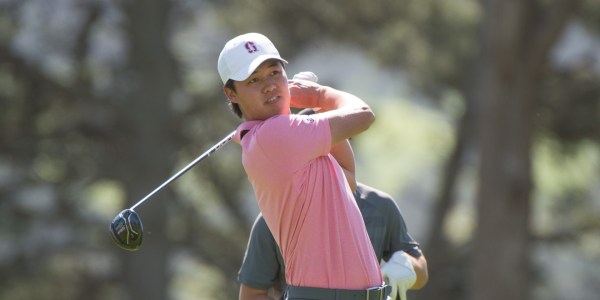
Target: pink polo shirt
(307,203)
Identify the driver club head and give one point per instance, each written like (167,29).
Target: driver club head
(126,230)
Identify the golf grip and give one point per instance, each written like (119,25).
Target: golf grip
(188,167)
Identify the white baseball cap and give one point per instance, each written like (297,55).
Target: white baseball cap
(243,54)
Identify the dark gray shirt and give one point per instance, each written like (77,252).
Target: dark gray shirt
(263,265)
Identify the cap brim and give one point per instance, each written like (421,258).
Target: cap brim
(246,71)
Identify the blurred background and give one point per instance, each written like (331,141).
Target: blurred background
(487,135)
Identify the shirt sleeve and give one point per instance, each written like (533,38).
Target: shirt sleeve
(295,140)
(260,268)
(400,239)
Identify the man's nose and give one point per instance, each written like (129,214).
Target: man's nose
(269,85)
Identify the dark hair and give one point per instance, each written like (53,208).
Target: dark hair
(235,108)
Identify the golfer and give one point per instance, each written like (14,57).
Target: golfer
(301,189)
(262,275)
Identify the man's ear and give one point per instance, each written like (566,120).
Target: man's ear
(230,94)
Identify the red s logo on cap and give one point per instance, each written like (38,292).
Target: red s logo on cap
(250,47)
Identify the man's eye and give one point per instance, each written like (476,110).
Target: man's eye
(253,80)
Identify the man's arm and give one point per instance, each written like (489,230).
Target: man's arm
(261,270)
(420,266)
(401,240)
(249,293)
(348,115)
(407,267)
(343,154)
(404,272)
(403,265)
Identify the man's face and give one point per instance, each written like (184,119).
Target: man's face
(264,93)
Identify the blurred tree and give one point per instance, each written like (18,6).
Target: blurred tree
(512,62)
(91,95)
(150,77)
(115,95)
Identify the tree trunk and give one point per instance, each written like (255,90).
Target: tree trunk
(148,145)
(517,36)
(444,260)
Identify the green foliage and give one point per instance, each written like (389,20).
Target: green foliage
(104,199)
(406,144)
(195,279)
(564,200)
(570,105)
(560,172)
(432,40)
(589,12)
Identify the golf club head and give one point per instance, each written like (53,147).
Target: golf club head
(126,230)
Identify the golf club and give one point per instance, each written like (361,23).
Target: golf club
(126,228)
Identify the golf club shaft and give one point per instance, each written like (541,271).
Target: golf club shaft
(186,168)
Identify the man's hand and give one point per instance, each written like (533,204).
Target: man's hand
(305,90)
(306,75)
(399,273)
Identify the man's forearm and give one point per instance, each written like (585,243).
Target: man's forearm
(249,293)
(420,267)
(343,154)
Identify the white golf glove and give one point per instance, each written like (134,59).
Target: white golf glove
(307,75)
(399,273)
